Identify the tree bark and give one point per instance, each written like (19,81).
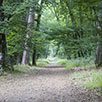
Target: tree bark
(34,56)
(3,39)
(19,59)
(26,53)
(98,59)
(37,29)
(4,50)
(34,48)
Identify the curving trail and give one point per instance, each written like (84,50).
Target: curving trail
(45,85)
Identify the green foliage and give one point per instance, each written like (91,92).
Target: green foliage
(73,25)
(23,68)
(91,79)
(63,62)
(79,40)
(79,62)
(42,62)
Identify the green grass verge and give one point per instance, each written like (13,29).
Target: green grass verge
(95,81)
(63,62)
(21,69)
(42,62)
(79,62)
(91,79)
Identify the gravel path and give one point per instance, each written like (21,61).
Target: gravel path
(45,85)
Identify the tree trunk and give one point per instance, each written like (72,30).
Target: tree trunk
(26,53)
(34,48)
(4,50)
(26,56)
(98,59)
(19,59)
(3,39)
(34,56)
(37,29)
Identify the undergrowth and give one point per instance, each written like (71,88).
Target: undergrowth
(42,62)
(79,62)
(91,79)
(95,82)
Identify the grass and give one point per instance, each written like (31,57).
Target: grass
(79,62)
(42,62)
(63,62)
(91,79)
(19,70)
(23,67)
(95,81)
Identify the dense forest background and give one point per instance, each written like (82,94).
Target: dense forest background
(32,29)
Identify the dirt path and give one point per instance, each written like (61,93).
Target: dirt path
(45,85)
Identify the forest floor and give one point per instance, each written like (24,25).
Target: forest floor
(52,83)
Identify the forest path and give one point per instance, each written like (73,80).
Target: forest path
(45,85)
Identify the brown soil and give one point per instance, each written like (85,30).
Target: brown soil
(45,85)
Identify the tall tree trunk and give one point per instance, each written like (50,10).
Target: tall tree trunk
(3,39)
(34,48)
(26,53)
(37,29)
(19,59)
(4,50)
(34,56)
(98,59)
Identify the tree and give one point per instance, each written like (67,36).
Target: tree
(37,29)
(30,27)
(98,19)
(3,37)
